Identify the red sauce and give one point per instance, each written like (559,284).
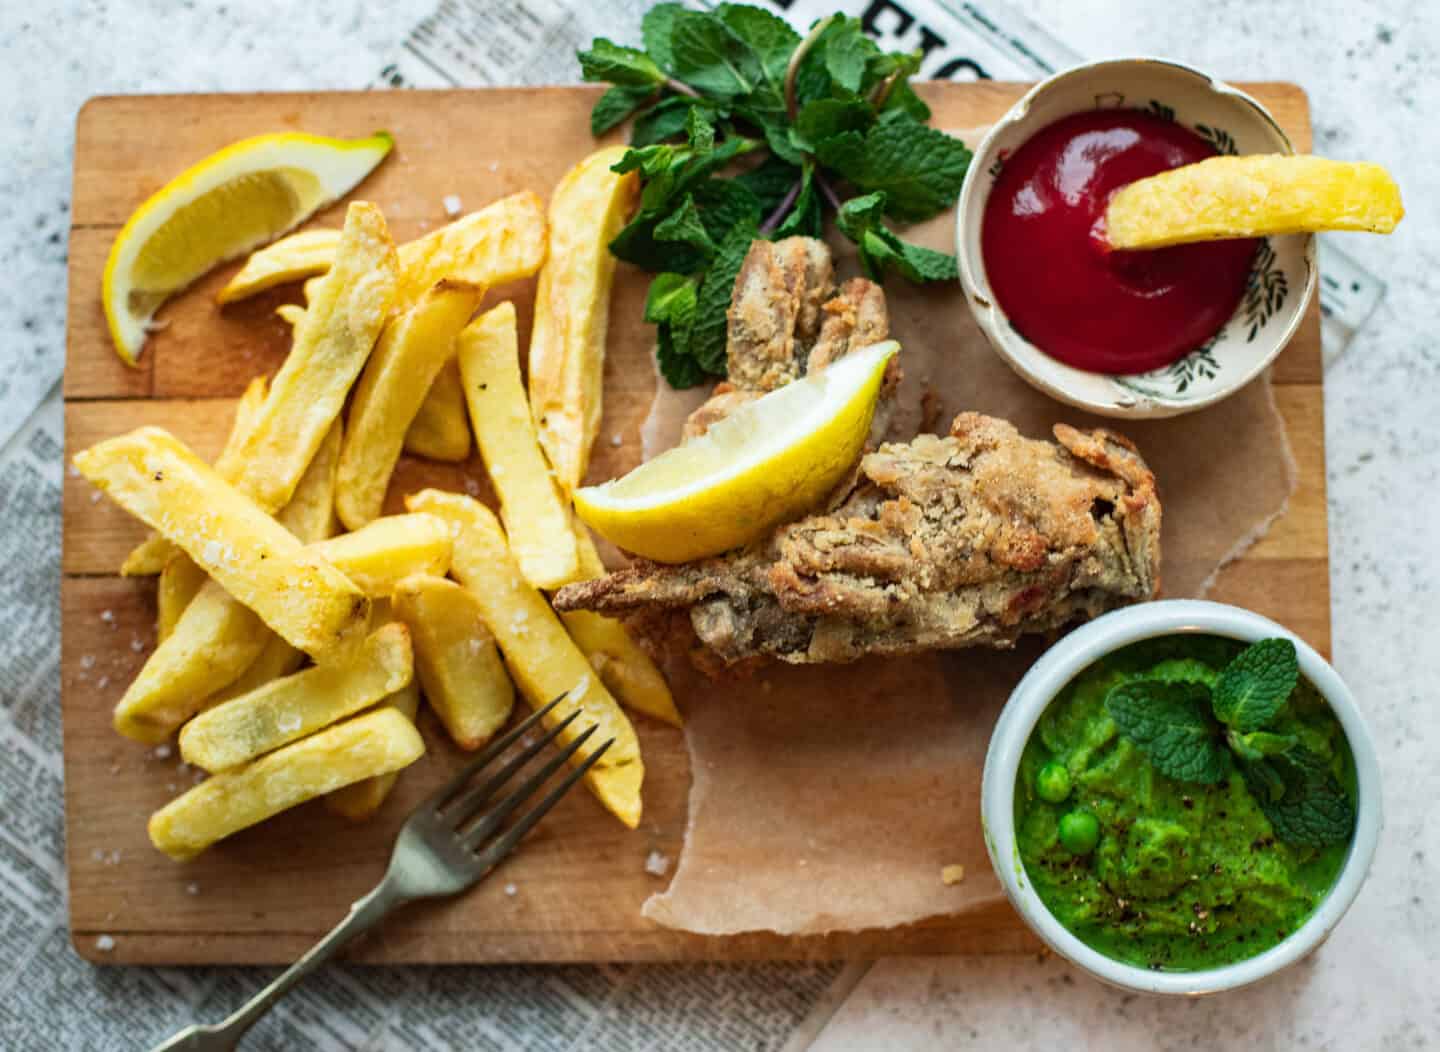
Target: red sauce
(1062,286)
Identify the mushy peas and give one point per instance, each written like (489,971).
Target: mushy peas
(1155,872)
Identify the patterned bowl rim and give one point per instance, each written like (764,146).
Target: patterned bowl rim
(1125,402)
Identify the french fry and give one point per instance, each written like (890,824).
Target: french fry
(359,800)
(372,744)
(380,555)
(310,516)
(541,657)
(288,709)
(330,348)
(502,242)
(572,310)
(440,430)
(411,352)
(297,593)
(214,641)
(622,666)
(290,314)
(455,658)
(536,517)
(220,648)
(154,553)
(291,258)
(180,581)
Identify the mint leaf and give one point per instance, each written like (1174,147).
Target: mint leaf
(710,58)
(770,182)
(806,218)
(664,120)
(826,118)
(1258,744)
(881,249)
(684,225)
(772,41)
(1252,688)
(677,364)
(655,31)
(1171,724)
(847,52)
(1301,797)
(700,130)
(902,98)
(919,168)
(615,105)
(636,243)
(725,202)
(671,298)
(608,61)
(707,342)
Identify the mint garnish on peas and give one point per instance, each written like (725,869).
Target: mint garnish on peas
(1193,733)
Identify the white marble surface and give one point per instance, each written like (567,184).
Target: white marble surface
(1369,67)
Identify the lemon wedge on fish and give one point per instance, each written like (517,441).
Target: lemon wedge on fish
(234,200)
(771,460)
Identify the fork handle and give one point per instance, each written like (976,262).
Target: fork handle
(225,1036)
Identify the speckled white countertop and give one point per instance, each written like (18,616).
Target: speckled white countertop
(1369,68)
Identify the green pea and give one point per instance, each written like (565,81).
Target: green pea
(1079,832)
(1053,782)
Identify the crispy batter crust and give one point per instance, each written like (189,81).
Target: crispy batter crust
(972,539)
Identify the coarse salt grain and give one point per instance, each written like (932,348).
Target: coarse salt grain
(87,660)
(472,487)
(511,890)
(102,682)
(104,944)
(213,552)
(452,205)
(192,888)
(95,497)
(73,471)
(137,644)
(162,752)
(657,864)
(108,616)
(616,441)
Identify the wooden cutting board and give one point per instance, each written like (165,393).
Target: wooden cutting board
(266,895)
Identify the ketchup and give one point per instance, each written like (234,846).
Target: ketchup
(1062,286)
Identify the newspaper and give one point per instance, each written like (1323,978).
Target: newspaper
(51,998)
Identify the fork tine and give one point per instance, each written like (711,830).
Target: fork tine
(439,796)
(464,804)
(502,847)
(491,820)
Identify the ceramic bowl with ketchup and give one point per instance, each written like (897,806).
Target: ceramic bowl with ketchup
(1137,334)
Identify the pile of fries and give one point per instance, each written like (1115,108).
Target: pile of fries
(298,625)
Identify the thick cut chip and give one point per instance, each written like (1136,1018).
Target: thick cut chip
(292,258)
(542,659)
(180,582)
(440,430)
(536,517)
(154,553)
(572,310)
(411,352)
(297,593)
(1252,196)
(214,641)
(288,709)
(623,667)
(331,346)
(220,648)
(380,555)
(373,744)
(360,800)
(460,670)
(502,242)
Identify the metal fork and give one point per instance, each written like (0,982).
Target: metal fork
(438,853)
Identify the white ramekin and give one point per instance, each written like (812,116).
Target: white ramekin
(1282,279)
(1060,664)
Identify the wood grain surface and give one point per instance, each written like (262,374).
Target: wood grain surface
(267,894)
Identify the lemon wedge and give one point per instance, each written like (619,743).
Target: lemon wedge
(224,206)
(771,460)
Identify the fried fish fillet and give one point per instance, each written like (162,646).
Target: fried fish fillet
(787,319)
(973,539)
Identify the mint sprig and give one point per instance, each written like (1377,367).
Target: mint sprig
(839,129)
(1193,732)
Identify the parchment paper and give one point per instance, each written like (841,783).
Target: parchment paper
(829,798)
